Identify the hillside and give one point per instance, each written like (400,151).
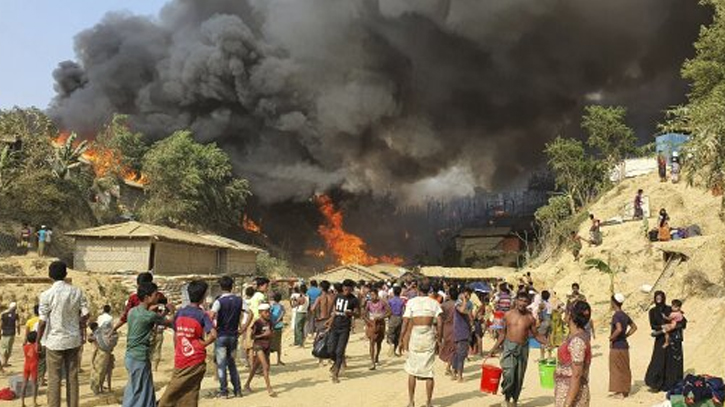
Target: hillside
(699,281)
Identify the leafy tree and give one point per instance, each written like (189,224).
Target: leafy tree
(608,133)
(7,167)
(272,267)
(35,131)
(67,157)
(580,176)
(703,117)
(192,185)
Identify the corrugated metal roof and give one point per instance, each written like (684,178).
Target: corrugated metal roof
(138,230)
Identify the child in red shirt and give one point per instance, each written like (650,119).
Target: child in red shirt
(30,371)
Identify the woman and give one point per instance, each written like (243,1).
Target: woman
(620,374)
(376,310)
(664,226)
(448,347)
(575,357)
(666,367)
(461,333)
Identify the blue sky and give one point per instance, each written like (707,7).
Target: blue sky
(35,35)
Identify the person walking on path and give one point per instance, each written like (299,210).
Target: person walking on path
(461,333)
(227,310)
(620,374)
(376,310)
(42,235)
(574,359)
(63,310)
(638,202)
(447,348)
(142,319)
(322,310)
(422,332)
(194,332)
(9,328)
(313,293)
(262,331)
(519,325)
(300,304)
(345,308)
(666,367)
(395,322)
(277,313)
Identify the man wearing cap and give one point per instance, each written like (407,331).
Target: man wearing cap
(10,328)
(620,374)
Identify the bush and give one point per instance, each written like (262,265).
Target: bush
(270,266)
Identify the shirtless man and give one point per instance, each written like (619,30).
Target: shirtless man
(321,310)
(519,324)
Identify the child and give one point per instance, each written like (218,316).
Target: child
(262,332)
(30,371)
(104,339)
(194,332)
(247,334)
(376,310)
(676,315)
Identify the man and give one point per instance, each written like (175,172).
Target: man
(142,319)
(313,293)
(395,323)
(345,307)
(595,231)
(9,327)
(227,310)
(322,309)
(194,332)
(63,308)
(519,324)
(422,330)
(42,235)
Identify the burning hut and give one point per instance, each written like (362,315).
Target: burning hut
(138,246)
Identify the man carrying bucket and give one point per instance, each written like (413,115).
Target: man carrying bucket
(519,324)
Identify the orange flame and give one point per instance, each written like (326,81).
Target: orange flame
(345,247)
(249,225)
(104,161)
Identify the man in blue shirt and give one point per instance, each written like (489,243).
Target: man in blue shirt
(313,293)
(42,234)
(227,309)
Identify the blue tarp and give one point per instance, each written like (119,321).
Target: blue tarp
(480,286)
(667,143)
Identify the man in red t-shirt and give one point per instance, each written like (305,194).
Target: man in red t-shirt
(194,331)
(30,370)
(133,300)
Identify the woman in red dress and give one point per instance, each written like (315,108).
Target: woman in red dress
(575,357)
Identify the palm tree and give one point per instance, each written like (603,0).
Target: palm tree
(67,157)
(604,267)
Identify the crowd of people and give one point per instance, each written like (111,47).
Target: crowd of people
(422,320)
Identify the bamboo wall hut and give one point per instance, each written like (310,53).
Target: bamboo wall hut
(135,246)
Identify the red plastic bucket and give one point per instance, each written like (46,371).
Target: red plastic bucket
(490,378)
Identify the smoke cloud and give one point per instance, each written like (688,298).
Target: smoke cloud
(413,98)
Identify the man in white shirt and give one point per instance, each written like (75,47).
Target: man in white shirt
(63,309)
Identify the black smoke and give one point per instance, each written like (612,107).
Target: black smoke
(413,98)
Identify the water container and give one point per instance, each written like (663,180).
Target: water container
(490,378)
(547,367)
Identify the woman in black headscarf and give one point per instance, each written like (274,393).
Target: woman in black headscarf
(667,365)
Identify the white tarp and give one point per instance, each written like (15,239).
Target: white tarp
(633,167)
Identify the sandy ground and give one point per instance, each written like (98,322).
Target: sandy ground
(303,383)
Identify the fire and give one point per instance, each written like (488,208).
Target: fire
(249,225)
(104,161)
(345,247)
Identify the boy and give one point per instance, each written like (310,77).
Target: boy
(277,313)
(104,339)
(194,332)
(676,316)
(262,332)
(141,322)
(30,370)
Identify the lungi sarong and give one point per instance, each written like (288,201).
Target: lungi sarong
(421,352)
(514,359)
(620,375)
(183,389)
(102,363)
(275,344)
(375,330)
(140,387)
(395,323)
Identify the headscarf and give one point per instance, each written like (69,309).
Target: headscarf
(660,306)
